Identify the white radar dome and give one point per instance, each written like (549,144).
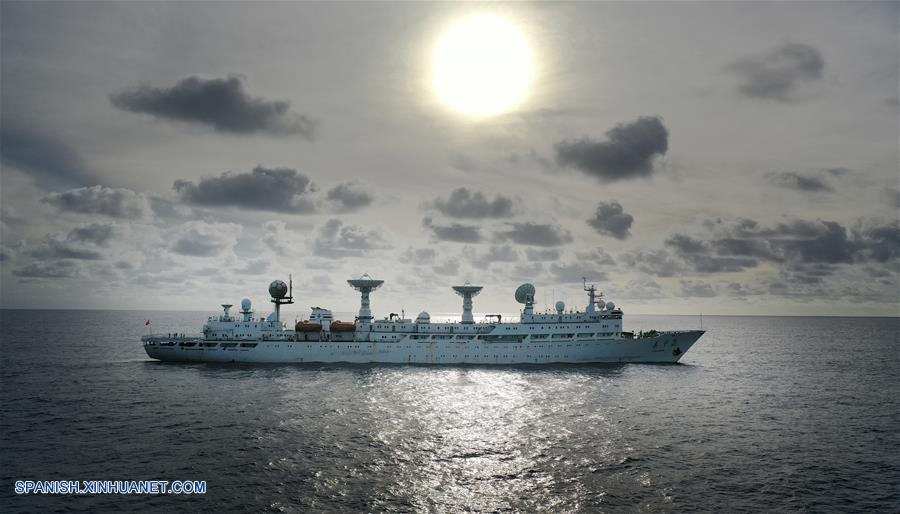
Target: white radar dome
(245,304)
(560,306)
(423,317)
(610,306)
(278,289)
(525,293)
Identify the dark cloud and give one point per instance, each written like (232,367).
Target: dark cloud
(696,254)
(95,233)
(799,181)
(779,74)
(448,268)
(628,151)
(742,290)
(336,239)
(496,253)
(115,203)
(575,273)
(879,242)
(806,251)
(419,255)
(201,239)
(758,248)
(685,245)
(221,103)
(464,203)
(535,234)
(710,264)
(643,288)
(349,196)
(611,220)
(829,244)
(542,254)
(42,156)
(254,267)
(264,189)
(453,232)
(691,289)
(54,269)
(597,256)
(51,249)
(653,262)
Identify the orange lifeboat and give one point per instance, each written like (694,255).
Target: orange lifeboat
(306,326)
(342,326)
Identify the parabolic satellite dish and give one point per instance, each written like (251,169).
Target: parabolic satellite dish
(525,293)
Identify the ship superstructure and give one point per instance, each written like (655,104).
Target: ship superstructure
(592,335)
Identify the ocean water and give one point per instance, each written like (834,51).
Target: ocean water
(763,414)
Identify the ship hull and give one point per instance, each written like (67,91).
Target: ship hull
(666,347)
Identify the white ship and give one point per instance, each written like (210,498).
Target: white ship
(593,335)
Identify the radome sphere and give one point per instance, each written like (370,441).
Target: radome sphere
(278,289)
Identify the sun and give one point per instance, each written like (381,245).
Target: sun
(482,66)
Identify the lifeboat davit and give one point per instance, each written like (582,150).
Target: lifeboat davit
(306,326)
(342,326)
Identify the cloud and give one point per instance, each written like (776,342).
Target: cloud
(653,262)
(685,245)
(254,267)
(804,250)
(50,249)
(42,156)
(464,203)
(628,151)
(597,256)
(799,181)
(611,220)
(779,74)
(690,289)
(462,162)
(535,234)
(275,236)
(112,202)
(55,269)
(419,255)
(221,103)
(453,232)
(202,239)
(264,189)
(447,268)
(95,233)
(496,253)
(542,254)
(336,239)
(576,272)
(349,196)
(643,288)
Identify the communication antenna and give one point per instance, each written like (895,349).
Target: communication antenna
(365,285)
(282,294)
(467,292)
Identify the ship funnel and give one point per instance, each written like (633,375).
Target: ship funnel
(467,292)
(365,285)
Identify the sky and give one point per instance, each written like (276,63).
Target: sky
(724,158)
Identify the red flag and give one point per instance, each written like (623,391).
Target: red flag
(147,323)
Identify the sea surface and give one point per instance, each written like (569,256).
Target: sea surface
(763,414)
